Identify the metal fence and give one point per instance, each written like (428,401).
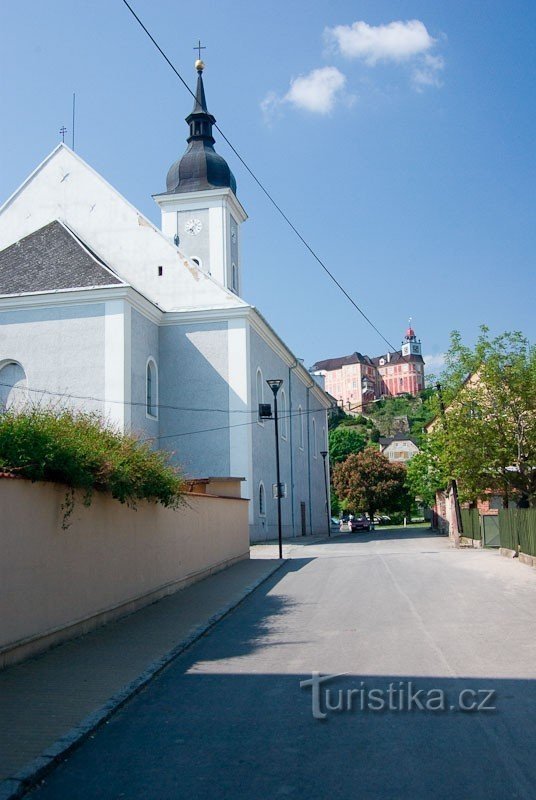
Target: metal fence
(517,528)
(471,523)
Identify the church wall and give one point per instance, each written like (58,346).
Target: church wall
(193,376)
(302,473)
(62,352)
(144,345)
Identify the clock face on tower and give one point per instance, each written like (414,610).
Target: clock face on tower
(193,226)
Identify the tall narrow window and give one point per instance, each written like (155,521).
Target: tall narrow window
(260,392)
(300,427)
(13,385)
(283,413)
(234,278)
(151,389)
(262,501)
(315,446)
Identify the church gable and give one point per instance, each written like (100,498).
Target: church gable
(51,259)
(64,187)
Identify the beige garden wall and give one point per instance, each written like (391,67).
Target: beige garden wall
(57,583)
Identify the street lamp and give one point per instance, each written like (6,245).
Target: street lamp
(324,453)
(275,385)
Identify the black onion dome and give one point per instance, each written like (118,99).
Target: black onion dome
(200,167)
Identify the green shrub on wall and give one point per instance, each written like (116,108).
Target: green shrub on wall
(78,450)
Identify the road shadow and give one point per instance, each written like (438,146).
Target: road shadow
(242,736)
(383,534)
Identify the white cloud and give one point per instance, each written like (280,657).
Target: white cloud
(434,363)
(318,92)
(396,41)
(428,72)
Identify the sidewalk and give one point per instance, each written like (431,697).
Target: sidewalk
(49,702)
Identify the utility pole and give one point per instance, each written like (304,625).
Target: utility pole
(454,483)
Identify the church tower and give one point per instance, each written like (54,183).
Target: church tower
(411,346)
(200,211)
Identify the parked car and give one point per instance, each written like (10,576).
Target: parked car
(360,523)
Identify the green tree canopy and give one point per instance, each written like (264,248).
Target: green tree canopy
(343,441)
(488,438)
(425,472)
(389,412)
(368,481)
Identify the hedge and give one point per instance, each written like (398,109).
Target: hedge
(80,451)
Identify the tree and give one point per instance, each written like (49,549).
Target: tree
(369,481)
(425,473)
(488,438)
(343,441)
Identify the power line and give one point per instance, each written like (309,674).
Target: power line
(66,396)
(105,400)
(261,185)
(199,409)
(300,413)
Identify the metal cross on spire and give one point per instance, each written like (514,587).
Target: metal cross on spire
(63,131)
(199,47)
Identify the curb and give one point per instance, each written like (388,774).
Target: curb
(26,778)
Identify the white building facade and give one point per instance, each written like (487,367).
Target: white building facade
(102,310)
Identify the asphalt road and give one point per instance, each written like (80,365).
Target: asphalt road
(398,612)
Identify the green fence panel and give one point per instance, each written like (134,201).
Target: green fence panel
(517,527)
(471,523)
(507,528)
(526,526)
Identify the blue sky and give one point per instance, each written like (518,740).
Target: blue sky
(398,136)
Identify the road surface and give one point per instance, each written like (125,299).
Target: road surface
(401,613)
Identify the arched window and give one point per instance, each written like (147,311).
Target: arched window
(151,389)
(13,385)
(234,278)
(315,444)
(262,500)
(197,261)
(300,427)
(260,392)
(283,413)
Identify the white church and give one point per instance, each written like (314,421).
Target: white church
(147,326)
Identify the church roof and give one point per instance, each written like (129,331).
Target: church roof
(201,167)
(50,259)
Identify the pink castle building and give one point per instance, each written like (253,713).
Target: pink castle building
(356,379)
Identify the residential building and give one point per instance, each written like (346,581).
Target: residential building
(102,310)
(398,448)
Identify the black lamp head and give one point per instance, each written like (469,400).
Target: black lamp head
(275,384)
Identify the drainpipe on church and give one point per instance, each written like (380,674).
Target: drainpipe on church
(290,419)
(308,404)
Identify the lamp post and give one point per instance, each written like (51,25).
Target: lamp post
(275,385)
(324,453)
